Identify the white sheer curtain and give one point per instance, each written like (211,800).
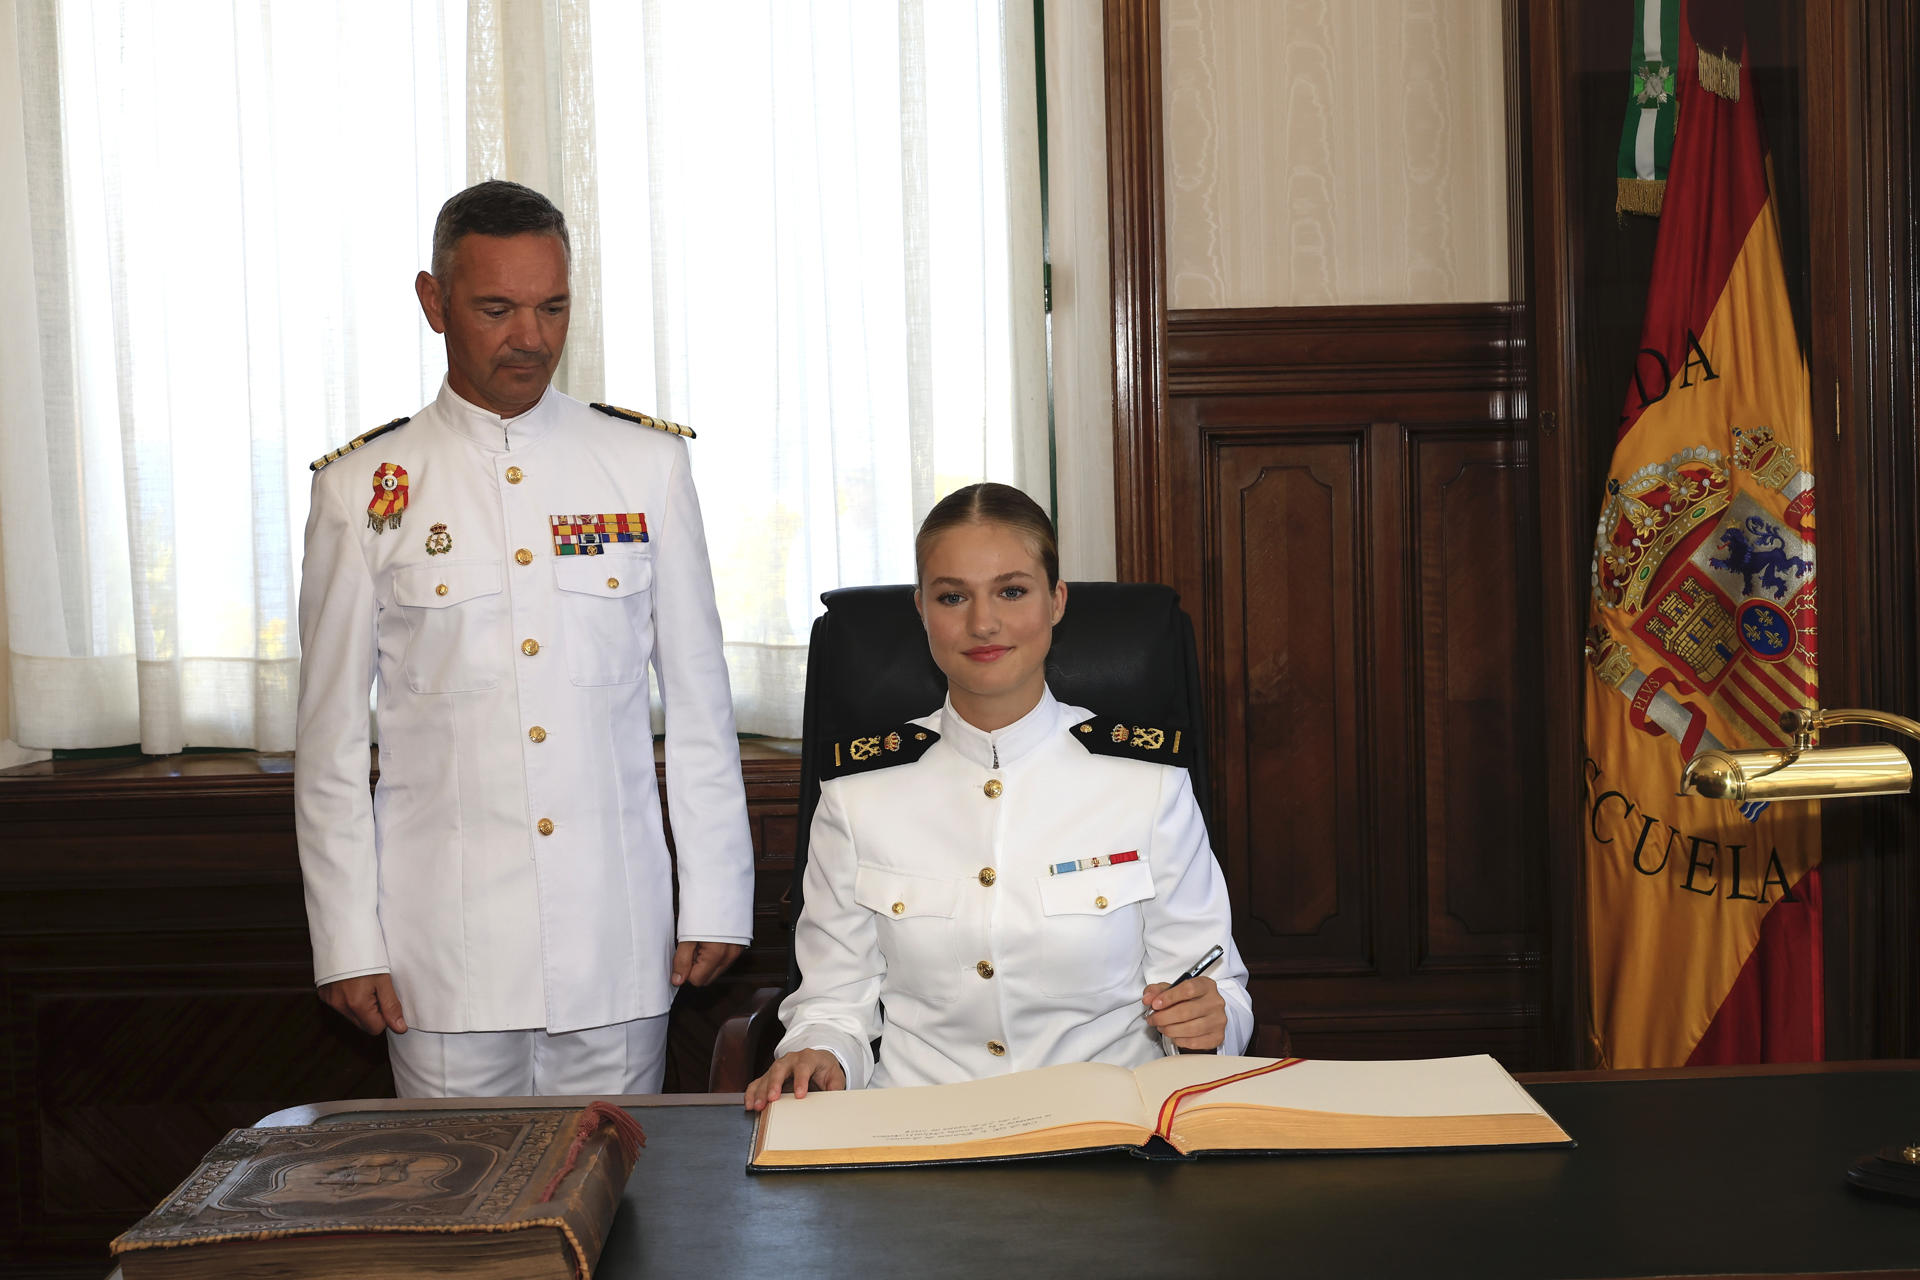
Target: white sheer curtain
(530,118)
(820,230)
(1082,317)
(225,204)
(806,229)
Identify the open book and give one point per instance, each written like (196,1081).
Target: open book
(1196,1103)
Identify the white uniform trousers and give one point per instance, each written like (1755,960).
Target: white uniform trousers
(625,1057)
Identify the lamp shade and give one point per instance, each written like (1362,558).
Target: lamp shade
(1820,773)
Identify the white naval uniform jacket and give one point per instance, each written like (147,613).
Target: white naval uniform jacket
(512,694)
(930,920)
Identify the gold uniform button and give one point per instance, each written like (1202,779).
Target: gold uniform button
(440,590)
(984,969)
(898,907)
(997,1049)
(529,647)
(513,475)
(1101,903)
(537,734)
(546,826)
(613,584)
(993,788)
(986,876)
(523,556)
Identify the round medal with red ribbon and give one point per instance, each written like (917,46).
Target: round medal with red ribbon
(389,497)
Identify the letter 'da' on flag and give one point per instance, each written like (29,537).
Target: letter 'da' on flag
(1703,918)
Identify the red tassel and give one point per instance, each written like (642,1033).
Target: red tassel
(626,1131)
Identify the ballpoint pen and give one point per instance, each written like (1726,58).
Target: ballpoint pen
(1200,966)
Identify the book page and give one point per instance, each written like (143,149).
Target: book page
(1466,1086)
(953,1114)
(1163,1076)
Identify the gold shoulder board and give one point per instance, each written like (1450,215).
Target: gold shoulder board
(646,420)
(902,744)
(355,443)
(1107,737)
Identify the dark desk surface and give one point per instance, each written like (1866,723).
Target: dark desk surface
(1677,1173)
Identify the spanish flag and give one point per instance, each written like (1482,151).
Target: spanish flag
(1703,918)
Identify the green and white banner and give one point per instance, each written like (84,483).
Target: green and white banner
(1646,143)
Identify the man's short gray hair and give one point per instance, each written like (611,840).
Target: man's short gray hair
(495,207)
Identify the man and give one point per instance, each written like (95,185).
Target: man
(506,563)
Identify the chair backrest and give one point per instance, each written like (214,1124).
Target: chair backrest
(1124,649)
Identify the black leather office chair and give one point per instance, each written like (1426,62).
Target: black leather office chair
(1123,649)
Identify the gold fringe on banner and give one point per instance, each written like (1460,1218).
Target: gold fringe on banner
(1640,195)
(1720,74)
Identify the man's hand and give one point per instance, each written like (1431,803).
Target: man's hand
(1192,1015)
(702,962)
(806,1067)
(369,1002)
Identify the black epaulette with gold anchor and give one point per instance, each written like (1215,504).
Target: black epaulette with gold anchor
(1106,737)
(355,443)
(646,420)
(900,745)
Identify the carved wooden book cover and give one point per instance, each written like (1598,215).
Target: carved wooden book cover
(495,1194)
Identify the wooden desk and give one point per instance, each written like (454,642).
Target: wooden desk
(1733,1172)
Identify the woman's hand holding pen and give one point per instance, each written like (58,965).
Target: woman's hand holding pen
(808,1068)
(1192,1015)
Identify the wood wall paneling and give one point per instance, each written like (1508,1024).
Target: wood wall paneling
(1474,700)
(1547,202)
(133,1066)
(1136,245)
(1359,565)
(1290,518)
(1860,59)
(1316,473)
(773,807)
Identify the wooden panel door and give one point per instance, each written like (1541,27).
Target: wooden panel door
(1345,498)
(1289,523)
(1353,531)
(1476,702)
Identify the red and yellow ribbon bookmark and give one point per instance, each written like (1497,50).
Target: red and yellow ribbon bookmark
(1164,1127)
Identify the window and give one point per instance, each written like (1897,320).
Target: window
(795,229)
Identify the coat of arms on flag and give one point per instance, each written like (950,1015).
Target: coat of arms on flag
(1703,920)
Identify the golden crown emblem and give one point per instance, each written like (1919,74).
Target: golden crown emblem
(1650,513)
(1611,661)
(1756,450)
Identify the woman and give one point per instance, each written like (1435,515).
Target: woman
(1005,875)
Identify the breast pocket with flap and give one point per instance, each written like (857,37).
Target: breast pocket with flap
(914,919)
(606,605)
(1093,936)
(455,614)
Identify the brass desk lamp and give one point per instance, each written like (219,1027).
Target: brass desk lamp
(1805,771)
(1808,772)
